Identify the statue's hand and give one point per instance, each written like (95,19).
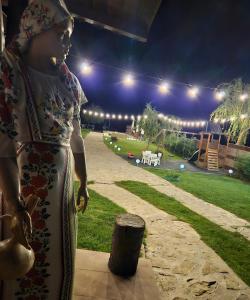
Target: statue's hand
(83,194)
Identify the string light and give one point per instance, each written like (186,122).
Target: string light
(128,80)
(164,88)
(180,122)
(243,97)
(193,92)
(219,95)
(243,116)
(86,68)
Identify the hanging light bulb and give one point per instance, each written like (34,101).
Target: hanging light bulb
(120,117)
(90,112)
(128,80)
(86,68)
(219,95)
(126,117)
(113,116)
(193,92)
(164,88)
(132,117)
(107,116)
(101,115)
(243,116)
(96,114)
(243,97)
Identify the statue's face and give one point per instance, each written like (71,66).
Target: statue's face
(55,42)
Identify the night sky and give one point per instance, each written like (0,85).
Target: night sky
(197,42)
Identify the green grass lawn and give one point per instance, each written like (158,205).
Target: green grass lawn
(85,132)
(233,248)
(95,226)
(136,147)
(229,193)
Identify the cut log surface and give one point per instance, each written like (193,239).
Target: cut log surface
(126,244)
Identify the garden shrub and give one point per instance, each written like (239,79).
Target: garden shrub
(180,145)
(243,166)
(114,139)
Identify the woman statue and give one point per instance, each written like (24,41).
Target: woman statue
(40,146)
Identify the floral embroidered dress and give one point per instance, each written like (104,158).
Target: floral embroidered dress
(40,126)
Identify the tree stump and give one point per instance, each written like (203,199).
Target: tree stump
(126,244)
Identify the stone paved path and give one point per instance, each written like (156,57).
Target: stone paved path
(185,267)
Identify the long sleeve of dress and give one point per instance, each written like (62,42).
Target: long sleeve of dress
(7,100)
(76,142)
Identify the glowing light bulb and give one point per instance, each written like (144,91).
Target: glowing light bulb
(243,97)
(86,68)
(164,88)
(219,95)
(113,116)
(128,80)
(193,92)
(107,116)
(126,117)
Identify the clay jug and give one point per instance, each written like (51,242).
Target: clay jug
(16,255)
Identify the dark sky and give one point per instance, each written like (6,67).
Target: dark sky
(193,41)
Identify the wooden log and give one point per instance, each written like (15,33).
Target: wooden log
(126,244)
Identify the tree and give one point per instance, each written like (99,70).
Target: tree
(149,123)
(235,109)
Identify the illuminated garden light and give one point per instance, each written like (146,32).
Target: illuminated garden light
(193,92)
(86,68)
(230,171)
(243,97)
(164,88)
(219,95)
(128,80)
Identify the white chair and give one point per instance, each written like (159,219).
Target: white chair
(153,160)
(146,157)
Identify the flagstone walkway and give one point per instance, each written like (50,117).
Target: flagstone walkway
(185,267)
